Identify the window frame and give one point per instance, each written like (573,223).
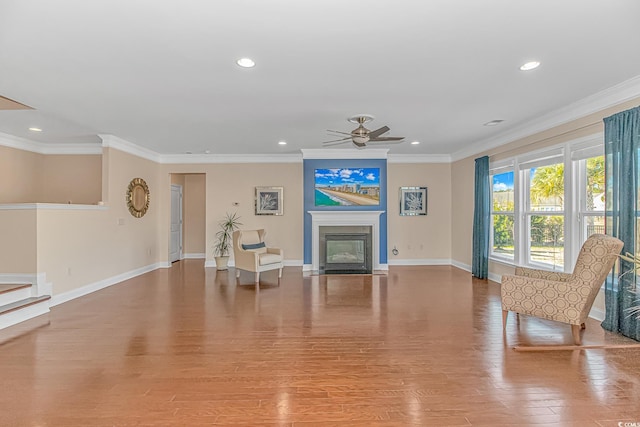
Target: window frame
(571,154)
(499,168)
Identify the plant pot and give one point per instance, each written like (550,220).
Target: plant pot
(221,262)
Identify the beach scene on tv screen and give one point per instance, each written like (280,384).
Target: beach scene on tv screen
(347,187)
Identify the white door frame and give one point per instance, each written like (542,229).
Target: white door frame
(176,189)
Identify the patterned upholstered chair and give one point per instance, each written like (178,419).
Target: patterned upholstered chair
(561,296)
(251,254)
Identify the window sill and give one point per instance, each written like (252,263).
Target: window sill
(503,261)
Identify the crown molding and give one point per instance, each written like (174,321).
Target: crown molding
(419,158)
(24,144)
(229,158)
(113,141)
(344,153)
(610,97)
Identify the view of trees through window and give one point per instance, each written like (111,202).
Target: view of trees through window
(543,211)
(503,214)
(545,216)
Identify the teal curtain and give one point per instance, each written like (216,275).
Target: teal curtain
(622,142)
(481,212)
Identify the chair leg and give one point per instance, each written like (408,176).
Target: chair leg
(279,273)
(237,273)
(583,326)
(575,331)
(504,319)
(257,278)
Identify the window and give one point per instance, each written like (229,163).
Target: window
(544,215)
(502,215)
(591,213)
(546,203)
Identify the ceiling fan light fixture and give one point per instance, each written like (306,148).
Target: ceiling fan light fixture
(531,65)
(360,140)
(246,63)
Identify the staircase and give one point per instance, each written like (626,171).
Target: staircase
(19,303)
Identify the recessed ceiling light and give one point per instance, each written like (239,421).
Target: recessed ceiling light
(282,142)
(530,65)
(246,62)
(415,142)
(493,123)
(35,129)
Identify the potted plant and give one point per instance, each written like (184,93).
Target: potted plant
(223,239)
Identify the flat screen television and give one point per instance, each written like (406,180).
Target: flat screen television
(347,187)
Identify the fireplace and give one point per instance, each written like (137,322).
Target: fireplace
(345,250)
(350,223)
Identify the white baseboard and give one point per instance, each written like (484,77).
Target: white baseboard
(420,261)
(101,284)
(194,255)
(461,266)
(597,314)
(495,277)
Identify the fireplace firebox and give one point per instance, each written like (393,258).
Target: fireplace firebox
(346,252)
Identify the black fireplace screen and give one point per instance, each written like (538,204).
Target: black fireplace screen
(347,253)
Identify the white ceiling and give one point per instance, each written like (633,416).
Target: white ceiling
(161,73)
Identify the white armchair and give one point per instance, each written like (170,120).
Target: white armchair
(251,254)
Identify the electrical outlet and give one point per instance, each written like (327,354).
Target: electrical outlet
(68,271)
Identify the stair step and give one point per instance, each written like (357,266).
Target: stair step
(4,288)
(23,303)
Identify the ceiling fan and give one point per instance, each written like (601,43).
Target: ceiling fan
(360,136)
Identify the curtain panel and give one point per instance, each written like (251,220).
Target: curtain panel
(481,218)
(622,142)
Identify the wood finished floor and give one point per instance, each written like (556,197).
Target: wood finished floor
(422,346)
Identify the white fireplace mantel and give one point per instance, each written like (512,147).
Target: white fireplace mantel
(345,218)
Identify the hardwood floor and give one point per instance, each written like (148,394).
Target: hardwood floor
(422,346)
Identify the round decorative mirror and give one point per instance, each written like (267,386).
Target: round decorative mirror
(138,197)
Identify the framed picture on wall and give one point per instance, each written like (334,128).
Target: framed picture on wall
(269,201)
(413,201)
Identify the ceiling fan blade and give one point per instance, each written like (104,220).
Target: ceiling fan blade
(337,141)
(337,131)
(376,133)
(387,138)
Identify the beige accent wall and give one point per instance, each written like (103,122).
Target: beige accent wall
(227,184)
(73,179)
(235,183)
(36,178)
(194,214)
(462,200)
(81,247)
(420,237)
(20,175)
(18,241)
